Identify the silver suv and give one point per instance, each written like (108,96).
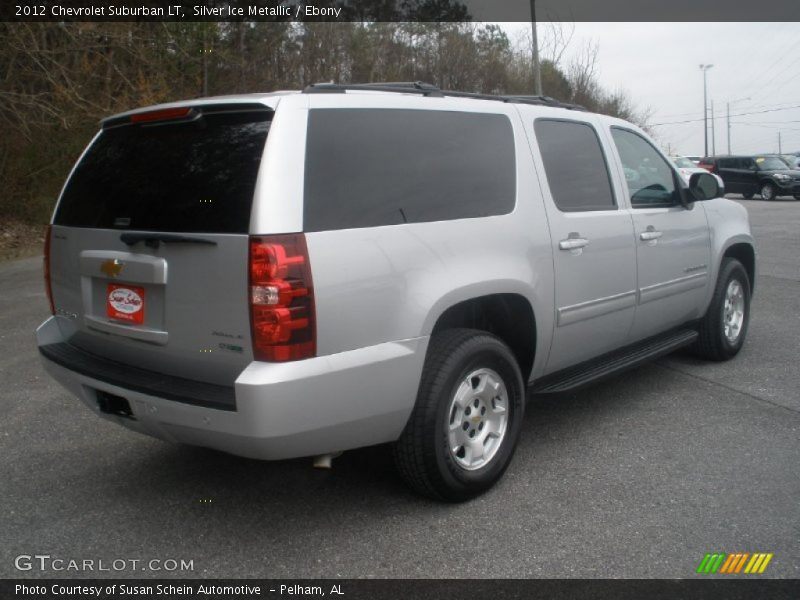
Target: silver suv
(298,274)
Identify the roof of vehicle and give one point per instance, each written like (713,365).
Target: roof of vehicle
(723,156)
(401,88)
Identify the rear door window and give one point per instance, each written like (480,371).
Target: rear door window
(372,167)
(196,176)
(575,165)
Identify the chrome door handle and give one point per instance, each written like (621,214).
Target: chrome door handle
(573,243)
(650,235)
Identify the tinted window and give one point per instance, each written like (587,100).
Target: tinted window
(651,180)
(371,167)
(770,163)
(188,177)
(726,163)
(575,165)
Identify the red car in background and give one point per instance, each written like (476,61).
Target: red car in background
(709,163)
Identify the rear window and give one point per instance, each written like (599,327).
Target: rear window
(371,167)
(184,177)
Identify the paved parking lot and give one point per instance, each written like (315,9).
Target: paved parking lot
(639,476)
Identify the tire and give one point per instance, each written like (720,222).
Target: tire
(715,341)
(748,196)
(434,454)
(797,196)
(768,191)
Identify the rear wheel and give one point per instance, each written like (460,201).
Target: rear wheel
(724,327)
(467,419)
(768,191)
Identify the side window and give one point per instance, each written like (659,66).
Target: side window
(373,167)
(651,181)
(575,165)
(725,163)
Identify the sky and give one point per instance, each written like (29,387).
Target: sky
(756,69)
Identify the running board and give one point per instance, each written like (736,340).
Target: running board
(613,363)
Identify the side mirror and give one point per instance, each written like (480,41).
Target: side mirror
(704,186)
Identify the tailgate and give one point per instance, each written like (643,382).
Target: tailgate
(149,243)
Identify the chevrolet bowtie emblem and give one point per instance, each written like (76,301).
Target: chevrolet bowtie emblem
(111,268)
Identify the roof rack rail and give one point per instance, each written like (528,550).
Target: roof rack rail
(427,89)
(402,87)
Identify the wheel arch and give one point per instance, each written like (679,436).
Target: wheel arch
(745,253)
(510,316)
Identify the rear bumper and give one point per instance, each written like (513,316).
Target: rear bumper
(282,410)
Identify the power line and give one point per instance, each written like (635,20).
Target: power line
(746,107)
(759,112)
(780,127)
(780,73)
(783,55)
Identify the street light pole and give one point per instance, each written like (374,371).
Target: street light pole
(537,68)
(705,68)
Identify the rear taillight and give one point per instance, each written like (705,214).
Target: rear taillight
(48,288)
(281,298)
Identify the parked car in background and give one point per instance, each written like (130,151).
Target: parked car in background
(708,163)
(686,167)
(694,159)
(762,174)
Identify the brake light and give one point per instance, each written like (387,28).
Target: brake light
(282,314)
(48,288)
(166,114)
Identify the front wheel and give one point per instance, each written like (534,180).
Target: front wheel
(768,191)
(724,327)
(467,419)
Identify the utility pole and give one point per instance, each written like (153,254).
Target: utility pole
(728,106)
(728,118)
(537,68)
(780,149)
(713,132)
(705,68)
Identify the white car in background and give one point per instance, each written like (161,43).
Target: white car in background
(686,166)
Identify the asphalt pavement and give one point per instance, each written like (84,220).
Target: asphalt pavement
(638,476)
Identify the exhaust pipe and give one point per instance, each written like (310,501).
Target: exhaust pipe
(325,461)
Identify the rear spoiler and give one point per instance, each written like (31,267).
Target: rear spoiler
(182,114)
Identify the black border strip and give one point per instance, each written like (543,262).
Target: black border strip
(779,11)
(430,589)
